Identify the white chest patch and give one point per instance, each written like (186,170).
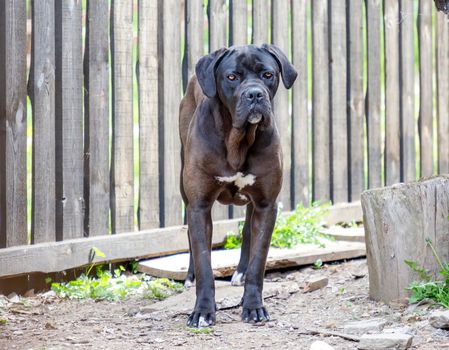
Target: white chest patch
(238,179)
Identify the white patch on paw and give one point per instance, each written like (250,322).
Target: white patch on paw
(238,179)
(237,279)
(202,322)
(189,283)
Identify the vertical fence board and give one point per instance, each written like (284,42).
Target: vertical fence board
(300,115)
(339,127)
(239,22)
(96,119)
(170,96)
(261,10)
(355,100)
(13,124)
(320,100)
(69,120)
(442,73)
(42,93)
(217,16)
(122,159)
(372,106)
(407,65)
(425,87)
(392,99)
(148,116)
(280,31)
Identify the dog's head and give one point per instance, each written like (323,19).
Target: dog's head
(245,79)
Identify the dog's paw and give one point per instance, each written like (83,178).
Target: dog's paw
(200,319)
(238,279)
(255,315)
(188,283)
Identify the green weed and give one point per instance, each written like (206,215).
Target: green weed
(3,321)
(201,330)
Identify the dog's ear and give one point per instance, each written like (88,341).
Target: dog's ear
(288,72)
(205,71)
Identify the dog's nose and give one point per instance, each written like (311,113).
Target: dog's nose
(254,94)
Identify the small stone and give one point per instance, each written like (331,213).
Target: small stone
(439,319)
(29,293)
(385,341)
(320,345)
(315,283)
(365,326)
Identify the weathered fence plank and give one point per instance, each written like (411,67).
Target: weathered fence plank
(170,96)
(96,119)
(260,11)
(407,86)
(217,13)
(373,93)
(338,100)
(41,88)
(320,102)
(356,99)
(69,120)
(148,213)
(300,114)
(442,74)
(392,86)
(425,87)
(13,124)
(122,158)
(279,32)
(238,34)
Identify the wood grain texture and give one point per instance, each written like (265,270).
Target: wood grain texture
(398,220)
(13,124)
(41,88)
(169,97)
(96,119)
(69,120)
(300,114)
(356,100)
(425,87)
(279,37)
(372,106)
(392,96)
(338,102)
(407,86)
(320,102)
(260,11)
(442,76)
(122,158)
(217,12)
(238,34)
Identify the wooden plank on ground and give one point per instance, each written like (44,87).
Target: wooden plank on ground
(392,86)
(41,88)
(320,102)
(425,87)
(170,90)
(96,119)
(344,212)
(147,75)
(279,37)
(238,34)
(373,94)
(407,66)
(13,124)
(59,256)
(122,159)
(261,10)
(442,74)
(356,234)
(300,113)
(338,101)
(224,262)
(69,120)
(356,100)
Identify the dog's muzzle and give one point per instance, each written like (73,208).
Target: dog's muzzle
(254,106)
(255,118)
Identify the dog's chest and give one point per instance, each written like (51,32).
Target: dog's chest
(239,179)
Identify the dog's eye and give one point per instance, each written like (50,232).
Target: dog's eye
(267,75)
(232,77)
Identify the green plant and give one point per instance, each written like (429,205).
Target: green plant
(201,330)
(3,321)
(428,287)
(162,288)
(318,264)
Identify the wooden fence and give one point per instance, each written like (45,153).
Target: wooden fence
(106,78)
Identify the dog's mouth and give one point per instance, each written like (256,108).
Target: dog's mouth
(255,118)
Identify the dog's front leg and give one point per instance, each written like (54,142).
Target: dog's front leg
(263,220)
(200,230)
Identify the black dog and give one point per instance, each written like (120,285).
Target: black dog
(231,153)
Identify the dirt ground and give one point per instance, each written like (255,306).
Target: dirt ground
(298,319)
